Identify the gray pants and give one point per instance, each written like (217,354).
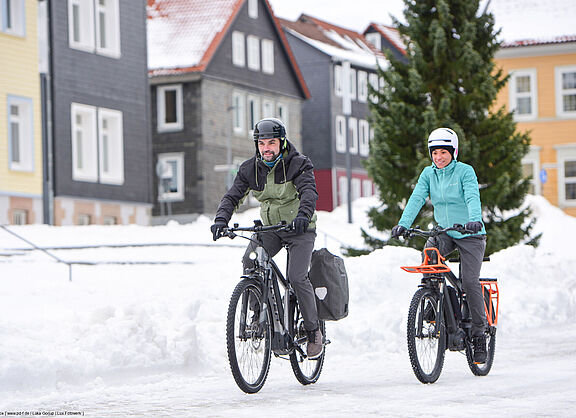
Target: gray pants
(471,254)
(300,249)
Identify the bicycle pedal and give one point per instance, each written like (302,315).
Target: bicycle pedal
(327,342)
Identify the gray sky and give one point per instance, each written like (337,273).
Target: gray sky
(519,19)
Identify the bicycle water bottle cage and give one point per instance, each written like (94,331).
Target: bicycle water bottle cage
(429,265)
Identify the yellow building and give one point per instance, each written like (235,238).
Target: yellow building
(542,93)
(20,114)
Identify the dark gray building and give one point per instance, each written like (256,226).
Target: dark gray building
(337,65)
(216,68)
(97,146)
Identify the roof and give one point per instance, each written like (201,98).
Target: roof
(542,41)
(391,34)
(335,41)
(183,35)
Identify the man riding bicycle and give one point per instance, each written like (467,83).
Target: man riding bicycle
(453,190)
(282,180)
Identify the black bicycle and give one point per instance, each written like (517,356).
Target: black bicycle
(439,318)
(264,319)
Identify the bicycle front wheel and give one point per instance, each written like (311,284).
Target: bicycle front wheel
(247,338)
(426,338)
(306,371)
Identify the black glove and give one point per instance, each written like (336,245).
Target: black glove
(218,228)
(397,231)
(473,227)
(300,224)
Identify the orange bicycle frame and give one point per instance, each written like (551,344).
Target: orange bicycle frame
(427,266)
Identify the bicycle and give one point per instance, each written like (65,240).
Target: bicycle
(263,319)
(439,318)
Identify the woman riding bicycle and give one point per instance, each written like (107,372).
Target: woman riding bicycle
(282,180)
(453,190)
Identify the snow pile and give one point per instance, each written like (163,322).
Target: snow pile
(118,320)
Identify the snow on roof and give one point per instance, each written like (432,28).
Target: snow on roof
(180,32)
(391,34)
(541,41)
(335,41)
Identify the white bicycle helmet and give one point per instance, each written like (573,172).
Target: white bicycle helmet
(443,138)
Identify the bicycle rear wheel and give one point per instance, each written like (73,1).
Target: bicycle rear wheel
(426,338)
(484,368)
(248,340)
(306,371)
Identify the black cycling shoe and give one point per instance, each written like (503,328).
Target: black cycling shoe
(479,348)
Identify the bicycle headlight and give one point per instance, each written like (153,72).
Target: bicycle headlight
(252,256)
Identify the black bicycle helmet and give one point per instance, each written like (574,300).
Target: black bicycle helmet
(269,128)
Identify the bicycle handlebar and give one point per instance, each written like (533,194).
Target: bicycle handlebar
(437,230)
(258,227)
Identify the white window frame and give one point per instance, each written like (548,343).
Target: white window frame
(85,25)
(268,109)
(353,131)
(23,138)
(356,188)
(253,47)
(111,15)
(340,134)
(362,86)
(162,125)
(267,56)
(85,147)
(367,188)
(532,95)
(375,39)
(110,146)
(561,92)
(565,153)
(252,111)
(373,80)
(364,137)
(283,114)
(13,13)
(19,217)
(238,49)
(352,84)
(253,9)
(533,157)
(342,190)
(167,171)
(239,112)
(338,91)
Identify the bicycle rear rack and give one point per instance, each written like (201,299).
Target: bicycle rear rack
(491,286)
(427,266)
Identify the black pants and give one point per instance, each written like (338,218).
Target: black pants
(471,251)
(300,249)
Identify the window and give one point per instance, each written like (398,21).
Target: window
(238,112)
(13,17)
(566,158)
(356,188)
(19,217)
(97,144)
(268,109)
(352,84)
(238,49)
(94,26)
(353,129)
(374,39)
(84,219)
(364,134)
(373,80)
(169,108)
(171,177)
(253,53)
(367,188)
(282,114)
(342,190)
(20,134)
(523,100)
(566,91)
(253,9)
(340,134)
(338,80)
(111,146)
(109,220)
(362,86)
(531,168)
(253,111)
(267,56)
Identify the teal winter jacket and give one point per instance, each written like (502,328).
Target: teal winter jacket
(453,191)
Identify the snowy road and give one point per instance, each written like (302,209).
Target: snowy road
(533,375)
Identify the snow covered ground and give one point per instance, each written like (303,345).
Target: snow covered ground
(127,337)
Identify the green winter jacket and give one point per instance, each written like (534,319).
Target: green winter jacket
(453,191)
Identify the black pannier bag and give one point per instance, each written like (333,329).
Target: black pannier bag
(330,282)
